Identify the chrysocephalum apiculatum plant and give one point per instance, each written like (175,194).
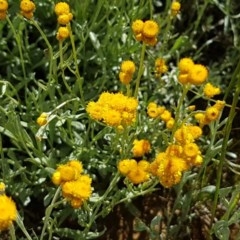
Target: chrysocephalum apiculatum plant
(77,146)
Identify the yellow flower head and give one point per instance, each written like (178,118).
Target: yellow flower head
(125,165)
(191,150)
(137,26)
(125,78)
(128,67)
(185,64)
(175,8)
(138,175)
(27,6)
(210,91)
(62,8)
(63,33)
(3,5)
(141,147)
(201,118)
(28,15)
(150,29)
(160,66)
(42,119)
(198,74)
(56,178)
(8,212)
(112,117)
(76,202)
(195,131)
(183,135)
(80,189)
(144,165)
(219,105)
(64,19)
(170,123)
(174,150)
(166,116)
(170,170)
(183,78)
(94,110)
(212,113)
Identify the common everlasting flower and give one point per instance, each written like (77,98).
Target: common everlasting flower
(175,8)
(140,147)
(160,67)
(8,212)
(3,9)
(62,33)
(42,119)
(126,71)
(146,31)
(62,8)
(210,91)
(76,187)
(114,109)
(27,8)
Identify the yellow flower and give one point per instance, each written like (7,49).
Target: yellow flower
(27,6)
(128,67)
(112,117)
(174,150)
(150,29)
(183,135)
(141,147)
(94,110)
(62,33)
(80,189)
(212,113)
(219,105)
(3,5)
(210,91)
(198,74)
(125,165)
(160,66)
(175,8)
(56,178)
(77,165)
(62,8)
(137,26)
(191,150)
(185,64)
(183,78)
(8,212)
(149,41)
(125,78)
(195,131)
(153,112)
(28,15)
(166,116)
(64,19)
(42,119)
(144,165)
(170,123)
(170,170)
(138,175)
(76,202)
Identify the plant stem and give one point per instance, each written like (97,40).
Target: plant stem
(22,227)
(227,131)
(18,40)
(140,70)
(49,211)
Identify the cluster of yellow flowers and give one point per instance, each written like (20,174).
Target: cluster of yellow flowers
(146,31)
(178,157)
(126,72)
(8,210)
(3,9)
(155,111)
(191,73)
(160,67)
(212,113)
(135,172)
(27,8)
(76,187)
(175,8)
(141,147)
(114,109)
(210,90)
(42,119)
(62,10)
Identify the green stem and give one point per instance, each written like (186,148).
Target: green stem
(18,40)
(50,50)
(62,67)
(178,110)
(77,73)
(140,70)
(227,131)
(22,227)
(49,211)
(12,232)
